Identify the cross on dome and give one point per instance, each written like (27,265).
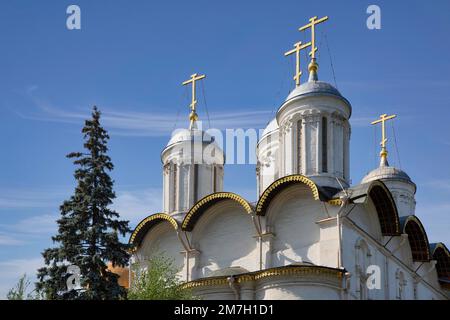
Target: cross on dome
(313,66)
(193,117)
(297,48)
(383,153)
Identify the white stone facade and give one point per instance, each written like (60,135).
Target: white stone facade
(310,235)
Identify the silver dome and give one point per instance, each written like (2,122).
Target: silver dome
(386,173)
(181,135)
(314,87)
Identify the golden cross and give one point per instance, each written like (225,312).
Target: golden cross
(312,23)
(193,115)
(383,119)
(297,47)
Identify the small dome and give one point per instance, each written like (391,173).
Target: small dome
(272,126)
(386,173)
(314,87)
(188,135)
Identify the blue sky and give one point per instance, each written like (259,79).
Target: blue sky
(130,58)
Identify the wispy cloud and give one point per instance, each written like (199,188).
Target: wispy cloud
(135,205)
(28,230)
(132,205)
(361,121)
(134,123)
(8,240)
(41,224)
(442,185)
(30,198)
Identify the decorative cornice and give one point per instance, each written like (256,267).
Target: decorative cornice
(197,209)
(154,218)
(335,202)
(267,273)
(296,178)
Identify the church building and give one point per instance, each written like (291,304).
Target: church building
(311,234)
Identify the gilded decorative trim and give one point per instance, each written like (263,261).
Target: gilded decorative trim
(293,178)
(297,271)
(335,202)
(267,273)
(153,217)
(205,283)
(214,197)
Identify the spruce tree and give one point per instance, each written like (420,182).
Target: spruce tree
(88,231)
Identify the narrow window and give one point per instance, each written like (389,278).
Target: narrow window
(196,185)
(174,199)
(214,179)
(299,146)
(324,145)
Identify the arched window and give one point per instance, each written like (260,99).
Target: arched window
(174,183)
(324,144)
(299,146)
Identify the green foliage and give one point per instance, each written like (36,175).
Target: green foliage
(19,292)
(88,231)
(157,279)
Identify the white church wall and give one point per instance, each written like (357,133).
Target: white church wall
(329,244)
(292,217)
(222,292)
(296,289)
(358,253)
(290,287)
(405,284)
(224,237)
(397,274)
(162,239)
(403,194)
(366,217)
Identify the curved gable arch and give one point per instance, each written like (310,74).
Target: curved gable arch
(281,184)
(386,209)
(200,207)
(145,225)
(417,237)
(440,253)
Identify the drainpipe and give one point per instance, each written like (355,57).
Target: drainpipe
(345,200)
(345,285)
(386,278)
(259,232)
(234,286)
(187,249)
